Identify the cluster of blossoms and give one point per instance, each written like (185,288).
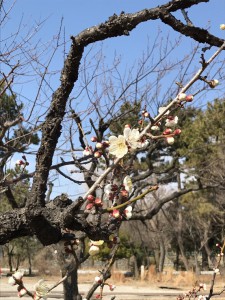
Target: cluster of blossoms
(40,288)
(194,293)
(99,148)
(114,193)
(17,279)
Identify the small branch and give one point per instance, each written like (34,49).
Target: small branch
(151,189)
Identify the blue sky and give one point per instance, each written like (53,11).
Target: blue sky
(78,15)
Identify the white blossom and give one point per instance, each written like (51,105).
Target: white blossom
(93,250)
(171,122)
(182,96)
(117,146)
(155,128)
(128,184)
(170,140)
(128,212)
(11,281)
(222,26)
(41,289)
(18,275)
(162,109)
(132,137)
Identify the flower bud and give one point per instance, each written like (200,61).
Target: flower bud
(177,131)
(170,140)
(98,279)
(155,128)
(99,145)
(112,287)
(20,162)
(116,213)
(127,126)
(182,96)
(89,206)
(90,198)
(94,139)
(189,98)
(222,26)
(167,131)
(98,154)
(98,202)
(213,83)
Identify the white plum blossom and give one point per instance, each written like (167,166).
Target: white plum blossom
(155,128)
(128,212)
(11,281)
(117,146)
(93,250)
(18,275)
(170,140)
(120,145)
(108,189)
(132,137)
(41,289)
(162,110)
(171,122)
(128,184)
(182,96)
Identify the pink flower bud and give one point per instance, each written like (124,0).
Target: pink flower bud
(189,98)
(20,162)
(94,139)
(112,287)
(167,131)
(127,126)
(90,198)
(89,206)
(116,213)
(98,202)
(177,131)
